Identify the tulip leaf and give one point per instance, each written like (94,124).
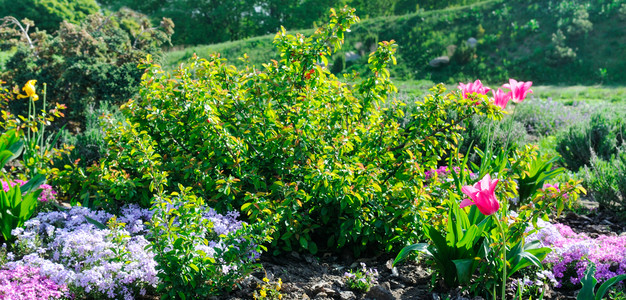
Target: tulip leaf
(33,183)
(464,269)
(420,247)
(438,241)
(589,283)
(607,284)
(470,236)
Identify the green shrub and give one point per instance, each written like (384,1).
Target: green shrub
(463,54)
(601,134)
(123,175)
(321,160)
(606,181)
(90,144)
(560,53)
(87,64)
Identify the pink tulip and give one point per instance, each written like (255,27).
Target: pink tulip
(518,89)
(483,195)
(473,87)
(501,98)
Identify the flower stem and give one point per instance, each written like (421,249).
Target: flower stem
(503,257)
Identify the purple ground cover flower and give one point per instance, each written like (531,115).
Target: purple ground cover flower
(92,262)
(27,283)
(116,262)
(571,253)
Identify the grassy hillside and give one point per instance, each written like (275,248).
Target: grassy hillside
(547,41)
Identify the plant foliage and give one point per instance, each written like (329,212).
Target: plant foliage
(325,162)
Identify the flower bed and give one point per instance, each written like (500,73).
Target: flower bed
(572,252)
(71,254)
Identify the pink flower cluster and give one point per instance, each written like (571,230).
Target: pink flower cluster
(572,252)
(26,282)
(48,194)
(439,172)
(517,91)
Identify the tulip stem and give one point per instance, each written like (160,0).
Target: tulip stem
(503,257)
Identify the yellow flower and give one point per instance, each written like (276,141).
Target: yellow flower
(29,88)
(263,293)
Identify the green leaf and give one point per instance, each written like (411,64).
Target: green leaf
(464,269)
(194,267)
(589,283)
(179,241)
(421,247)
(33,183)
(313,248)
(608,284)
(95,223)
(304,243)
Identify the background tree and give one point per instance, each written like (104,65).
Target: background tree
(84,65)
(48,14)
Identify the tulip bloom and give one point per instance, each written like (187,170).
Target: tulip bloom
(473,87)
(483,195)
(501,98)
(518,89)
(29,88)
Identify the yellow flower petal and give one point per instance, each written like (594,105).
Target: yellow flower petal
(29,89)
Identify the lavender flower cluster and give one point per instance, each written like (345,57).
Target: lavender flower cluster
(48,194)
(224,225)
(25,282)
(545,117)
(91,262)
(572,252)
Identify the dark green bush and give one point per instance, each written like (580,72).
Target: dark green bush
(89,63)
(606,181)
(601,134)
(90,144)
(463,54)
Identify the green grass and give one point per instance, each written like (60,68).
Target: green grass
(591,94)
(611,94)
